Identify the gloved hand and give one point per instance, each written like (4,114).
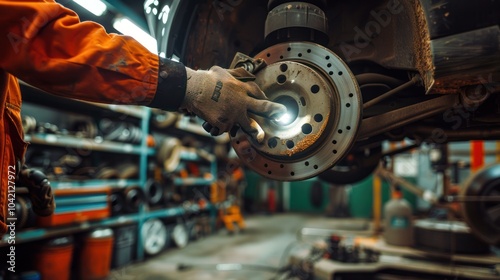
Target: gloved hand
(224,102)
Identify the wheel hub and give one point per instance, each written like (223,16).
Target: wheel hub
(308,99)
(324,112)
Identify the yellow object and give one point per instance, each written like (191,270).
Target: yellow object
(183,173)
(498,151)
(217,192)
(377,202)
(214,196)
(232,215)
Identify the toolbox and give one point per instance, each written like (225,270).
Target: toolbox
(78,205)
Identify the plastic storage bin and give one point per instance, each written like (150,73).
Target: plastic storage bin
(94,262)
(53,260)
(125,242)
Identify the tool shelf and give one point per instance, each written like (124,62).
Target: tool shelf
(142,151)
(87,144)
(185,125)
(120,183)
(34,234)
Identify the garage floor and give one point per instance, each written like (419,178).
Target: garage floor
(262,243)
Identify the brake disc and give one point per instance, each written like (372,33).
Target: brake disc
(180,235)
(324,111)
(356,166)
(154,236)
(483,216)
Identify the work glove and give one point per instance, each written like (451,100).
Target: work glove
(225,102)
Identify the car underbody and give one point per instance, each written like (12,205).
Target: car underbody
(365,72)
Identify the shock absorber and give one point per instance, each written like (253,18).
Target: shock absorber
(295,21)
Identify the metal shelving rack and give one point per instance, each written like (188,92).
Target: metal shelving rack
(87,144)
(120,183)
(142,150)
(34,234)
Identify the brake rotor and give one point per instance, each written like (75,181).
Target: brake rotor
(154,234)
(483,216)
(324,111)
(180,235)
(356,166)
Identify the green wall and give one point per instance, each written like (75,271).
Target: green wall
(360,195)
(300,197)
(252,181)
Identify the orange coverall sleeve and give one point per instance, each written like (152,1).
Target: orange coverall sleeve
(46,45)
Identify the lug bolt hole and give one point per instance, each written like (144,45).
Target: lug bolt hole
(315,89)
(281,79)
(307,128)
(272,142)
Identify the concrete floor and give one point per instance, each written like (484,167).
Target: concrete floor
(267,241)
(262,243)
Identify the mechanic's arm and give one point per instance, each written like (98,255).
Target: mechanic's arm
(45,45)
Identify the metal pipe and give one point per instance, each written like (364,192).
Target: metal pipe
(388,121)
(451,198)
(416,79)
(401,150)
(229,267)
(489,133)
(389,176)
(374,78)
